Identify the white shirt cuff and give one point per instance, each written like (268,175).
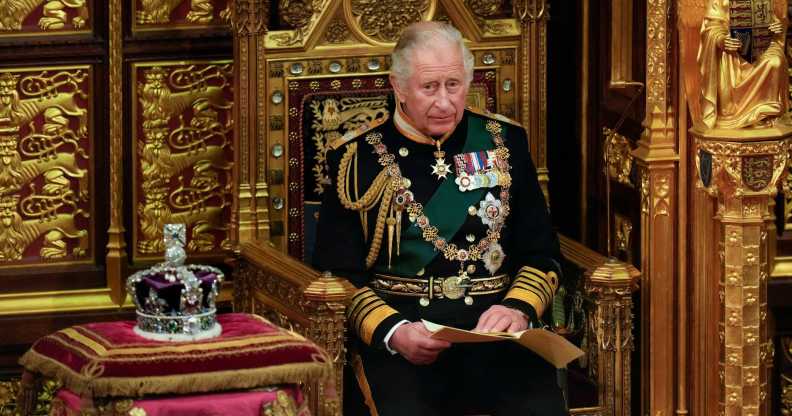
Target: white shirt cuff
(390,334)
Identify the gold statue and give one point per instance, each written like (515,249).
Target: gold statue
(724,89)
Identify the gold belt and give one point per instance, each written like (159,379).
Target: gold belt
(451,287)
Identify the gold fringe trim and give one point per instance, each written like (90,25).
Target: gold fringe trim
(176,384)
(360,375)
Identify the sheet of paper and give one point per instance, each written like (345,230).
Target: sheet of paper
(552,347)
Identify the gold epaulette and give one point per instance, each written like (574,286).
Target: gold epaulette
(494,116)
(351,134)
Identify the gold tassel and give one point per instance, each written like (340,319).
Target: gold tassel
(399,212)
(391,221)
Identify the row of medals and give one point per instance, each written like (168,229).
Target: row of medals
(454,287)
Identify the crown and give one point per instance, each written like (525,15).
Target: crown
(8,79)
(174,301)
(155,74)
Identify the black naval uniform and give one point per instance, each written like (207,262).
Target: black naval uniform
(500,378)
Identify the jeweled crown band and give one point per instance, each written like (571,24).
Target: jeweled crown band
(402,286)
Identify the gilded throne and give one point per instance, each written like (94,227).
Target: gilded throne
(324,71)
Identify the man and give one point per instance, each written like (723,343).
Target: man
(436,214)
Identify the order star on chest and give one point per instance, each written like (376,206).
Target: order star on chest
(440,168)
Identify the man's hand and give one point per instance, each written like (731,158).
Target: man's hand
(413,342)
(731,44)
(499,318)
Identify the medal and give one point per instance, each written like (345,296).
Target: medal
(440,168)
(475,162)
(490,210)
(464,182)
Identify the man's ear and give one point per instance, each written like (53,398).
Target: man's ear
(397,90)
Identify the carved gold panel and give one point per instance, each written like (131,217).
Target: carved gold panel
(623,233)
(182,157)
(786,186)
(46,152)
(45,17)
(180,14)
(381,22)
(493,17)
(618,156)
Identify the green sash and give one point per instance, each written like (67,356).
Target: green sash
(446,210)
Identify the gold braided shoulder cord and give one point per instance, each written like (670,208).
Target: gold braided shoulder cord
(370,197)
(381,191)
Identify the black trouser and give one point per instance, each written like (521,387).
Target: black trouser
(499,378)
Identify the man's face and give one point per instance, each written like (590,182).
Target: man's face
(434,94)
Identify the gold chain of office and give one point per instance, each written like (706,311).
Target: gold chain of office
(384,190)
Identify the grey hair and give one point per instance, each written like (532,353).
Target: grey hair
(420,35)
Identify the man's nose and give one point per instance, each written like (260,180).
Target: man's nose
(443,101)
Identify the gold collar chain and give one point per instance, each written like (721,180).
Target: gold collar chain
(404,199)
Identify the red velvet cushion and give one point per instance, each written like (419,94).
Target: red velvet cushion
(109,359)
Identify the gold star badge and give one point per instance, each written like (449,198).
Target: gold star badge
(440,168)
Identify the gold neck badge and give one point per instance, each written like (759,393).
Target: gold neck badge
(407,128)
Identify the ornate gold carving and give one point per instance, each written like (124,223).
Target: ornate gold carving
(786,187)
(383,21)
(531,10)
(283,405)
(610,331)
(250,17)
(195,153)
(116,242)
(757,171)
(751,167)
(8,396)
(28,396)
(743,178)
(662,195)
(45,91)
(296,13)
(292,296)
(486,13)
(618,153)
(160,12)
(657,54)
(55,14)
(301,19)
(749,45)
(331,115)
(485,8)
(44,185)
(623,230)
(644,177)
(336,32)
